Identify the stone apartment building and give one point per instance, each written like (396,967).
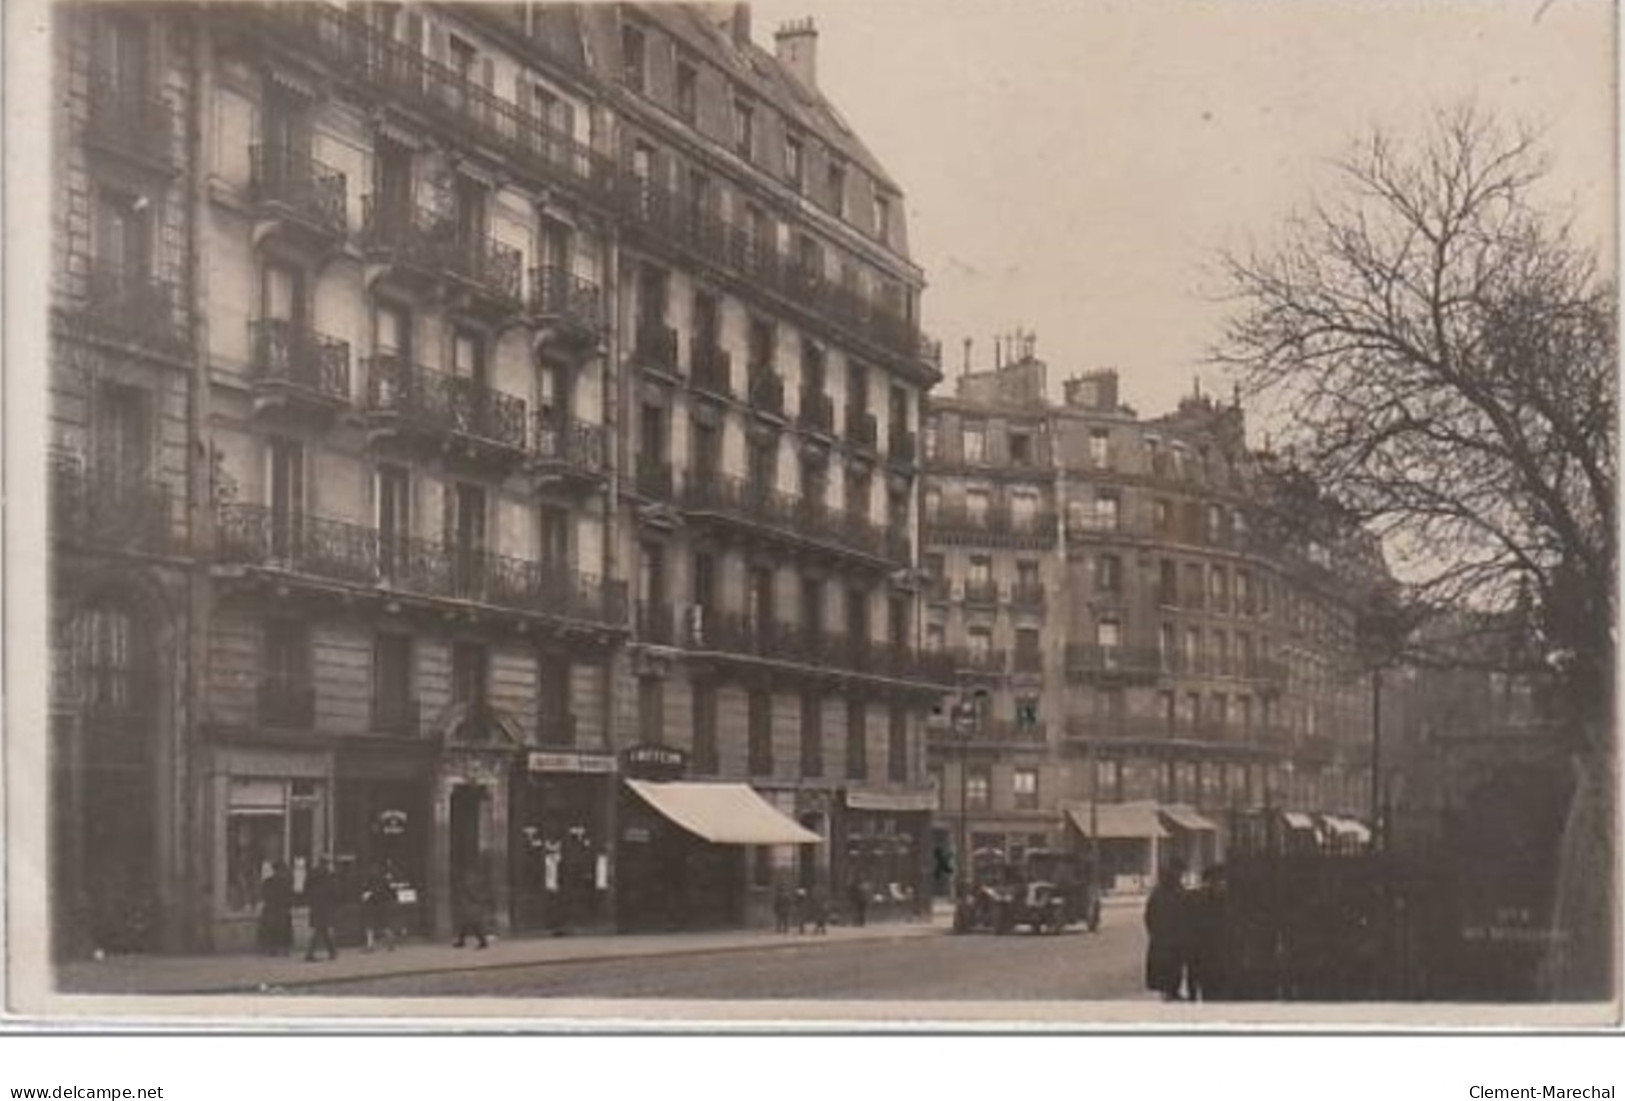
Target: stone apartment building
(484,437)
(1140,650)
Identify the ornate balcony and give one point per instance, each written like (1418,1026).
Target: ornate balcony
(295,194)
(817,412)
(767,392)
(568,450)
(566,305)
(333,552)
(296,368)
(655,347)
(710,369)
(1121,664)
(134,307)
(425,405)
(798,521)
(105,507)
(997,527)
(287,703)
(862,430)
(132,123)
(420,246)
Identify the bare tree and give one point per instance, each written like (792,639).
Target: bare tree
(1442,356)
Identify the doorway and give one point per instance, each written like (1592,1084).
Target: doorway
(467,800)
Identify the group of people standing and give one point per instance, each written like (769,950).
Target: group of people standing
(321,896)
(1187,956)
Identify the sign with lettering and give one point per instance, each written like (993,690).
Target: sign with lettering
(571,762)
(654,762)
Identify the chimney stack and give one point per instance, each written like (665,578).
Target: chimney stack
(732,20)
(796,44)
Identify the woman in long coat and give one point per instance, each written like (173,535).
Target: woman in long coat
(276,912)
(1167,919)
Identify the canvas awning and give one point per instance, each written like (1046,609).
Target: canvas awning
(1347,827)
(1186,818)
(1297,821)
(727,814)
(1119,820)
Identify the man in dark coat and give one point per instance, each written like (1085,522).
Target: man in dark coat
(471,905)
(1168,921)
(1209,938)
(276,912)
(322,896)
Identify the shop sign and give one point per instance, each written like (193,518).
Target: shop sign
(571,762)
(891,800)
(392,823)
(654,762)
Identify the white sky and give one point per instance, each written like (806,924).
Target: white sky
(1071,166)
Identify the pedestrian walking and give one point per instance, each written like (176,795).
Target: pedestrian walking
(322,897)
(781,909)
(378,909)
(857,898)
(818,902)
(1167,921)
(276,912)
(1209,965)
(472,900)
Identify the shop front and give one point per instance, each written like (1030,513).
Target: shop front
(884,854)
(381,827)
(1130,838)
(559,848)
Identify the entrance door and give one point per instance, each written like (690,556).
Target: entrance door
(467,800)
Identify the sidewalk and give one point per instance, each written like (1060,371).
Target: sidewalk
(260,974)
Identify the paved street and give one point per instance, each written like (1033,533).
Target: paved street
(1071,966)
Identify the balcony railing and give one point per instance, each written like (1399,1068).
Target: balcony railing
(136,307)
(296,181)
(102,505)
(656,346)
(862,429)
(287,703)
(335,550)
(993,732)
(1112,661)
(767,391)
(290,355)
(711,368)
(562,297)
(817,412)
(961,525)
(435,244)
(434,402)
(807,519)
(985,662)
(773,640)
(129,119)
(398,715)
(568,442)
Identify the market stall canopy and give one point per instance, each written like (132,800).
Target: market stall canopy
(726,814)
(1118,820)
(1186,818)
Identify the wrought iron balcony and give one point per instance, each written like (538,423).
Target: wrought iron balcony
(1095,662)
(314,547)
(1028,595)
(656,346)
(575,446)
(817,412)
(981,662)
(710,368)
(282,179)
(398,715)
(436,404)
(134,307)
(767,391)
(433,246)
(102,505)
(291,358)
(862,430)
(562,298)
(288,703)
(958,525)
(128,119)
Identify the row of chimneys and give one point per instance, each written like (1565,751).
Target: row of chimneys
(795,43)
(1008,348)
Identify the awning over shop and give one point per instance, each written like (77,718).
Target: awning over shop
(1118,820)
(1347,827)
(1186,818)
(727,814)
(1296,821)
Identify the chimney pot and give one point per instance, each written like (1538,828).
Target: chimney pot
(796,46)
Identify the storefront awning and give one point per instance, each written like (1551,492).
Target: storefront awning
(727,814)
(1186,818)
(1136,820)
(1347,827)
(1296,821)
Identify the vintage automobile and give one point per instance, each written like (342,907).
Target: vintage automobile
(1046,893)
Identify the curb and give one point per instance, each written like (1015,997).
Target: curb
(516,965)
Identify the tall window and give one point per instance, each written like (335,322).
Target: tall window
(812,607)
(1100,444)
(123,237)
(762,344)
(1109,634)
(1021,449)
(1024,509)
(883,218)
(759,718)
(651,710)
(393,708)
(1109,574)
(835,186)
(812,734)
(975,443)
(122,432)
(795,167)
(286,493)
(704,701)
(634,62)
(688,79)
(897,745)
(1024,787)
(470,673)
(976,506)
(1106,511)
(744,128)
(553,536)
(857,740)
(652,296)
(978,787)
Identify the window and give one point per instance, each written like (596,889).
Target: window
(759,718)
(897,746)
(122,433)
(1167,645)
(857,740)
(1106,511)
(931,504)
(795,162)
(1193,585)
(633,58)
(762,341)
(704,586)
(980,641)
(883,218)
(1024,510)
(981,571)
(835,186)
(687,96)
(1029,658)
(976,506)
(651,710)
(1219,588)
(1162,517)
(393,708)
(1024,785)
(1100,448)
(1108,634)
(463,58)
(286,493)
(652,297)
(469,673)
(930,441)
(1244,714)
(978,788)
(468,355)
(1109,574)
(704,702)
(121,56)
(271,821)
(744,129)
(1244,592)
(1220,716)
(1166,709)
(392,333)
(975,443)
(123,238)
(936,637)
(812,735)
(1193,709)
(1167,583)
(553,537)
(1021,449)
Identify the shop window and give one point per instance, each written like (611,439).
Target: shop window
(1024,785)
(270,822)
